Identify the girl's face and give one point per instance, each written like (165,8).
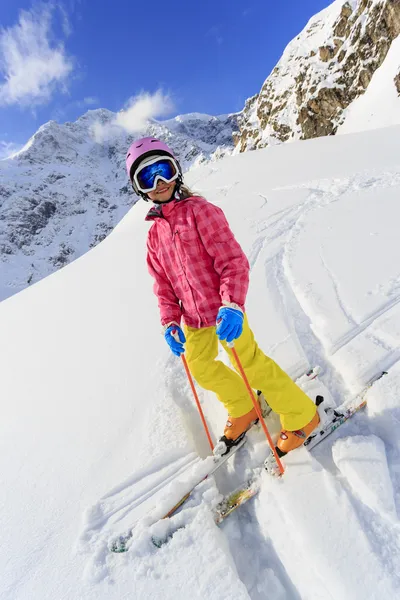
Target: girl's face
(163,192)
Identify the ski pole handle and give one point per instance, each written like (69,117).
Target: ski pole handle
(175,335)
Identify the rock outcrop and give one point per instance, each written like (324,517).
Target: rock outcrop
(322,71)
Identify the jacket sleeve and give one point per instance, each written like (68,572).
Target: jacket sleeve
(230,262)
(168,303)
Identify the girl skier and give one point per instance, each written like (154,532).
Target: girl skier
(201,278)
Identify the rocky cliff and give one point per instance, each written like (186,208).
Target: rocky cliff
(322,71)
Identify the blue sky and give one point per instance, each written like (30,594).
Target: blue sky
(59,59)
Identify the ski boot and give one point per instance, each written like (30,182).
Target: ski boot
(288,441)
(234,432)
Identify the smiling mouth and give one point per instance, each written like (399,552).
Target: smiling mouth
(162,191)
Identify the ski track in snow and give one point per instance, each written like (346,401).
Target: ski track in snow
(261,571)
(357,329)
(383,536)
(318,198)
(120,502)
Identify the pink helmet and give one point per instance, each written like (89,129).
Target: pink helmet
(143,148)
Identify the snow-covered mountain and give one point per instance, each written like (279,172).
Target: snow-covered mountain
(65,191)
(321,73)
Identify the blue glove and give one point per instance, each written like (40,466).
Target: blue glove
(229,323)
(176,347)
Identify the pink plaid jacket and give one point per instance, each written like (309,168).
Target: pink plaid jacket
(195,260)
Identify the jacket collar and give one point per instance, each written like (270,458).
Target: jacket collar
(162,210)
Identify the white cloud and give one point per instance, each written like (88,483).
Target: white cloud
(90,100)
(7,149)
(66,26)
(136,116)
(32,63)
(141,109)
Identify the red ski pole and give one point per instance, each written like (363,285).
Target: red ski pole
(257,409)
(190,378)
(197,402)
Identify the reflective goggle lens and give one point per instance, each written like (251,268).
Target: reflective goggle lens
(162,168)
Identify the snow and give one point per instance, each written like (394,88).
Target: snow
(96,413)
(317,536)
(380,105)
(192,565)
(362,460)
(190,117)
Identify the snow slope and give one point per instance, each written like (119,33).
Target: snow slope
(380,105)
(96,413)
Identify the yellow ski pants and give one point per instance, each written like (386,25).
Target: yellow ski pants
(282,394)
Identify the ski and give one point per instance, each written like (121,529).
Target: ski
(225,508)
(333,418)
(230,502)
(250,489)
(119,544)
(235,499)
(219,460)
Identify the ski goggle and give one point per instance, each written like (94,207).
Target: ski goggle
(160,168)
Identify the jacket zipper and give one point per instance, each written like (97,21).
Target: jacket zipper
(184,272)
